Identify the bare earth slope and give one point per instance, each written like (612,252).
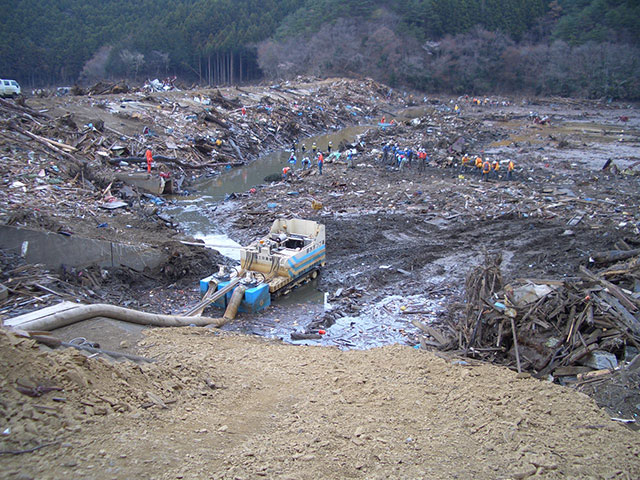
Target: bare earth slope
(239,407)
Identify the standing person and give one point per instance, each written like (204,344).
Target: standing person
(350,158)
(385,153)
(486,170)
(314,148)
(402,161)
(510,168)
(303,148)
(496,169)
(409,153)
(422,155)
(465,162)
(149,156)
(320,163)
(292,160)
(479,164)
(329,147)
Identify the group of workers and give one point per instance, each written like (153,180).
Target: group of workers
(305,162)
(403,158)
(486,168)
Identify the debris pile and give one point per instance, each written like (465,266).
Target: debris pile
(564,328)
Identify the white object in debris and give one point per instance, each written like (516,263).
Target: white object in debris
(600,360)
(530,293)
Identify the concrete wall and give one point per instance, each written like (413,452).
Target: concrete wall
(53,250)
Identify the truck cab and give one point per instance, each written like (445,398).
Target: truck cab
(9,88)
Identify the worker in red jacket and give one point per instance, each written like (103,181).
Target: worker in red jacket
(149,160)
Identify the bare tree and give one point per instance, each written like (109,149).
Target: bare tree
(96,67)
(132,61)
(158,61)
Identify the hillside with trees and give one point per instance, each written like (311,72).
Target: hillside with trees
(566,47)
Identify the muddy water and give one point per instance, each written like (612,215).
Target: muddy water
(199,214)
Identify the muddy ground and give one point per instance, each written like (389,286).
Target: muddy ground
(395,239)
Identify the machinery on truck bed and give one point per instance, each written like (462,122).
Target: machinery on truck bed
(291,254)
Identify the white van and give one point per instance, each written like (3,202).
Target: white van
(9,88)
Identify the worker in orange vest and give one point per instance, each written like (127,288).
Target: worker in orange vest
(285,172)
(465,162)
(510,168)
(149,159)
(496,168)
(320,162)
(479,163)
(486,170)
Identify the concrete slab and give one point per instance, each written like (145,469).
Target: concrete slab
(38,314)
(54,250)
(151,183)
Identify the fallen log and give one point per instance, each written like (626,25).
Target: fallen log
(614,255)
(21,109)
(174,161)
(233,144)
(440,339)
(622,314)
(50,144)
(305,336)
(207,117)
(613,289)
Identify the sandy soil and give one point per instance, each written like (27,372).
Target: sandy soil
(227,406)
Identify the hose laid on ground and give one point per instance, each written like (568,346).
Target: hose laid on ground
(85,312)
(234,303)
(56,342)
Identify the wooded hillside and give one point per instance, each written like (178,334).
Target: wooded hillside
(567,47)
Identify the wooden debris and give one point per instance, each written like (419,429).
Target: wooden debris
(557,332)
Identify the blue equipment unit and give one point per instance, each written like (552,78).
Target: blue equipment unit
(255,298)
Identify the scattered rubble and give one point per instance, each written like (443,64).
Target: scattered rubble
(535,270)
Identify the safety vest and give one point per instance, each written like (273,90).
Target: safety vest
(478,162)
(496,166)
(465,160)
(510,166)
(486,167)
(320,158)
